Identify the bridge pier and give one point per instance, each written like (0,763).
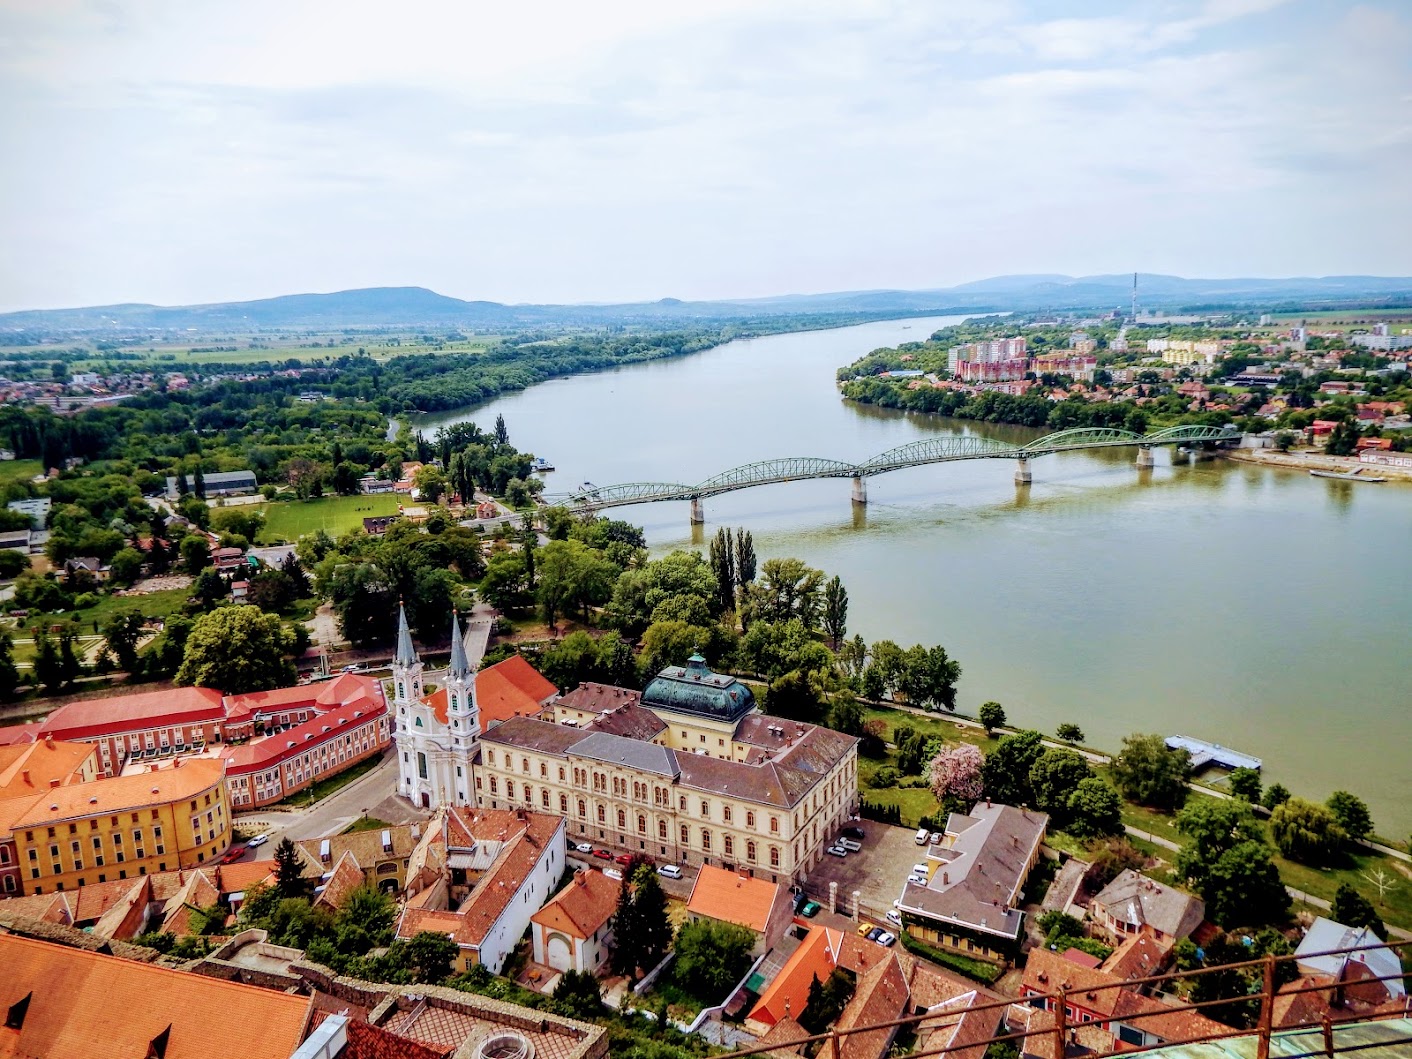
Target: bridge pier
(1146,459)
(698,513)
(1022,471)
(860,489)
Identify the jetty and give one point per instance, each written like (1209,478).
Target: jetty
(1204,753)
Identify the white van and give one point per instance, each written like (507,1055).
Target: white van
(923,837)
(670,871)
(850,845)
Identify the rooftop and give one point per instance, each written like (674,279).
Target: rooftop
(582,907)
(121,713)
(1136,899)
(181,780)
(591,697)
(27,768)
(694,689)
(269,750)
(734,897)
(512,688)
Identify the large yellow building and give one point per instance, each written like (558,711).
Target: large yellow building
(176,816)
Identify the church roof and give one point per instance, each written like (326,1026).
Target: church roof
(694,689)
(406,654)
(512,688)
(459,667)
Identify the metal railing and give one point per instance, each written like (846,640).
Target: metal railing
(1058,1000)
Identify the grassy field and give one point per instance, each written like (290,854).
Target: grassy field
(158,605)
(19,470)
(290,520)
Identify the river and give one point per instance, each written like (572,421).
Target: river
(1249,606)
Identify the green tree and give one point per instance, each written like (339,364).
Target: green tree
(9,673)
(722,561)
(1228,862)
(1095,809)
(289,871)
(826,1000)
(210,588)
(835,611)
(744,557)
(1070,733)
(798,696)
(122,633)
(506,584)
(1352,909)
(364,602)
(237,649)
(624,957)
(671,643)
(365,921)
(1054,777)
(48,668)
(992,716)
(1275,795)
(1006,772)
(712,956)
(1352,814)
(430,483)
(125,567)
(573,575)
(1149,773)
(195,554)
(639,592)
(1245,785)
(788,589)
(1307,832)
(773,649)
(577,996)
(654,927)
(929,676)
(430,957)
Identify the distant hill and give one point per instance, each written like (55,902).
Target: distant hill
(388,307)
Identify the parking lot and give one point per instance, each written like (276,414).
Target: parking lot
(877,872)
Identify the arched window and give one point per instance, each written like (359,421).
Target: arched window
(662,830)
(705,839)
(602,815)
(750,851)
(401,690)
(685,835)
(544,798)
(583,810)
(453,700)
(774,856)
(641,824)
(622,820)
(509,788)
(749,818)
(564,804)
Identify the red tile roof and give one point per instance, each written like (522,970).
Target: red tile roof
(582,907)
(734,898)
(84,1005)
(342,690)
(788,993)
(512,688)
(185,780)
(124,713)
(259,754)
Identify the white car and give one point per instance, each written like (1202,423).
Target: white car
(894,917)
(849,844)
(669,871)
(919,869)
(837,851)
(920,880)
(614,874)
(886,938)
(583,847)
(258,840)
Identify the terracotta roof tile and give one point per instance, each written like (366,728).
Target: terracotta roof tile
(511,688)
(269,750)
(582,907)
(184,779)
(27,768)
(122,713)
(735,898)
(75,996)
(592,697)
(880,996)
(346,877)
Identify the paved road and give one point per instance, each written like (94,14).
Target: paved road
(374,793)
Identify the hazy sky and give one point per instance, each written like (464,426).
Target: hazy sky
(200,151)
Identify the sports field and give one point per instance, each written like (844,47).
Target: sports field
(292,519)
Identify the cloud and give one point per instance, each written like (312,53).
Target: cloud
(558,151)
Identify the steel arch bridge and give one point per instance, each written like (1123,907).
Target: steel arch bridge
(947,449)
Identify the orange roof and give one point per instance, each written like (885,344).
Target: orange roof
(87,1006)
(272,749)
(881,996)
(27,768)
(512,688)
(340,691)
(240,876)
(734,898)
(123,713)
(788,994)
(185,779)
(342,881)
(582,907)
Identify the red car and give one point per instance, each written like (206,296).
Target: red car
(602,854)
(233,854)
(623,858)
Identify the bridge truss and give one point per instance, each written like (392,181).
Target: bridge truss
(948,449)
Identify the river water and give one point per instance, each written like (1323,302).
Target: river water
(1253,607)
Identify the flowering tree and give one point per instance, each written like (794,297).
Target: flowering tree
(956,773)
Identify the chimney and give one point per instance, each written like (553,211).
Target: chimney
(946,878)
(49,740)
(24,775)
(581,877)
(53,783)
(177,763)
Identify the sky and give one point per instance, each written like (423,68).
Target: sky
(197,151)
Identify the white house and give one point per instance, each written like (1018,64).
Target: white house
(574,932)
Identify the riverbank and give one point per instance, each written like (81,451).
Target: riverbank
(1317,461)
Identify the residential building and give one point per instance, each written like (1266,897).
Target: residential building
(77,1004)
(170,817)
(27,770)
(383,855)
(1132,902)
(37,508)
(573,931)
(977,873)
(1318,953)
(218,483)
(478,875)
(763,908)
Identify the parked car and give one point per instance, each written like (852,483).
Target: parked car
(863,929)
(837,851)
(623,858)
(234,853)
(920,880)
(613,873)
(886,938)
(850,845)
(602,854)
(920,868)
(875,933)
(922,837)
(894,917)
(582,847)
(937,836)
(800,900)
(669,871)
(258,840)
(810,910)
(855,832)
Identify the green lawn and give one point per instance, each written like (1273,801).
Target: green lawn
(336,515)
(365,823)
(161,605)
(324,788)
(19,470)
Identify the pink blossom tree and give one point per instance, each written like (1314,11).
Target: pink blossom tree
(956,773)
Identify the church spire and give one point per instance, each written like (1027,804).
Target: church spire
(460,668)
(406,655)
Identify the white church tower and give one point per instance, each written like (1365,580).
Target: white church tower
(438,734)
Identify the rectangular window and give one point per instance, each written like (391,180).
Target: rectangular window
(421,765)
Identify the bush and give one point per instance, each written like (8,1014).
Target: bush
(885,777)
(1307,832)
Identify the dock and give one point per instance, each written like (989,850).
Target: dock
(1204,753)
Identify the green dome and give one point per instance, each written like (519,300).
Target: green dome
(696,690)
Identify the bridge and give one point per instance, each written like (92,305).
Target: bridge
(943,449)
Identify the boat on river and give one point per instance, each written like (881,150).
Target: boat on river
(539,463)
(1347,476)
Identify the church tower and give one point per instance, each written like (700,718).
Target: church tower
(406,666)
(438,735)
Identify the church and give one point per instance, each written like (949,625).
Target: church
(688,771)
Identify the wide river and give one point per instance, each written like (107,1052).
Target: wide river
(1261,609)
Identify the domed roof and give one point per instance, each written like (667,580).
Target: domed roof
(694,689)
